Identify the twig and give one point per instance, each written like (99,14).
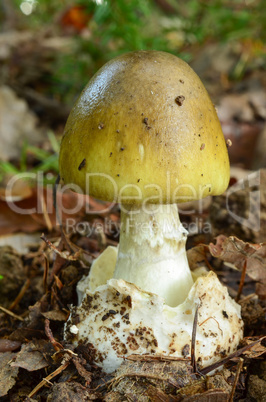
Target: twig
(248,297)
(45,273)
(139,375)
(46,215)
(187,386)
(48,378)
(58,217)
(20,295)
(12,314)
(238,371)
(50,336)
(205,246)
(242,281)
(87,375)
(237,353)
(62,254)
(155,357)
(193,341)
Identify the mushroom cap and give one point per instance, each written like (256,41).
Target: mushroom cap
(145,128)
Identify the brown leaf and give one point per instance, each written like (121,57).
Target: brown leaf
(133,378)
(157,395)
(17,216)
(32,355)
(71,392)
(20,190)
(255,351)
(56,315)
(237,252)
(213,395)
(196,257)
(79,363)
(6,345)
(7,373)
(261,290)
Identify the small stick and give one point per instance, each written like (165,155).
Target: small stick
(242,281)
(12,314)
(205,246)
(58,217)
(45,273)
(47,379)
(20,295)
(62,254)
(137,375)
(193,342)
(238,371)
(155,357)
(237,353)
(46,215)
(50,336)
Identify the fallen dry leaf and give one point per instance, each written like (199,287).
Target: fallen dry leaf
(213,395)
(157,395)
(241,254)
(17,216)
(19,191)
(196,256)
(256,350)
(72,391)
(7,373)
(55,315)
(32,355)
(6,345)
(79,364)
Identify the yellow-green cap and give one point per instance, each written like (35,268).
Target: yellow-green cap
(144,128)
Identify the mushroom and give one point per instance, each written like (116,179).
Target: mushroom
(145,133)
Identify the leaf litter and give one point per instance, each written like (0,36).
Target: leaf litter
(62,372)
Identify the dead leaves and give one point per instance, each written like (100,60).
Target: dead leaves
(37,355)
(34,211)
(246,257)
(256,350)
(8,373)
(32,355)
(72,391)
(166,380)
(52,362)
(243,255)
(156,378)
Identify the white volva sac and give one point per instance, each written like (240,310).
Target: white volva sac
(118,319)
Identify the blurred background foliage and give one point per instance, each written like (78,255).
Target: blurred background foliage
(102,29)
(49,49)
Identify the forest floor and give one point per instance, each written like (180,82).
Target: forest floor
(41,262)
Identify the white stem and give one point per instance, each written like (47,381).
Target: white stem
(152,252)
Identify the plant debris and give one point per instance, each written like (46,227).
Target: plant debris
(35,343)
(247,257)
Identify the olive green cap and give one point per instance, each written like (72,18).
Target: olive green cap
(144,128)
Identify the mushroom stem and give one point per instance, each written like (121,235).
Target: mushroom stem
(152,252)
